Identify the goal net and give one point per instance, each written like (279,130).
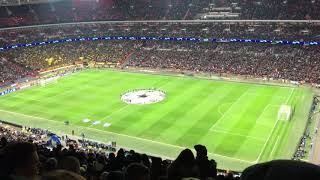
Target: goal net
(44,82)
(285,112)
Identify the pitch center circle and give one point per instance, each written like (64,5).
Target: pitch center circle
(143,96)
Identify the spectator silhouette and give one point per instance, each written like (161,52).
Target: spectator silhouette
(137,171)
(62,175)
(207,168)
(69,163)
(114,175)
(282,169)
(20,161)
(113,163)
(184,166)
(3,142)
(50,164)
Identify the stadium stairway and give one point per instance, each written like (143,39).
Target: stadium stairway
(124,61)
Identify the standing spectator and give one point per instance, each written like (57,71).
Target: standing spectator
(207,168)
(184,166)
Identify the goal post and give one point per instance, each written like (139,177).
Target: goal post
(285,113)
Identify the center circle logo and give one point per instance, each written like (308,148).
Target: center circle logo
(143,96)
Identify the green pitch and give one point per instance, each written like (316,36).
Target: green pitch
(236,121)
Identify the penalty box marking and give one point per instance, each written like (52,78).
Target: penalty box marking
(218,121)
(223,131)
(274,127)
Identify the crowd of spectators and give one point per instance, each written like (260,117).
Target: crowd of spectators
(93,160)
(79,11)
(301,151)
(306,141)
(14,134)
(270,61)
(26,154)
(218,30)
(84,143)
(273,9)
(264,61)
(42,57)
(11,71)
(297,63)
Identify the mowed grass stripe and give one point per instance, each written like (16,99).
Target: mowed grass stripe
(231,144)
(277,138)
(133,115)
(184,118)
(207,98)
(209,116)
(268,116)
(109,108)
(110,112)
(192,113)
(54,99)
(146,114)
(128,120)
(150,113)
(245,121)
(179,103)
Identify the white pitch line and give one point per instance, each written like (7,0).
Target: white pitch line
(128,136)
(122,108)
(266,142)
(289,97)
(219,108)
(237,134)
(274,127)
(264,109)
(274,147)
(116,111)
(215,124)
(64,93)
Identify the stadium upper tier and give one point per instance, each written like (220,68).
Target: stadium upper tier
(268,30)
(12,14)
(290,62)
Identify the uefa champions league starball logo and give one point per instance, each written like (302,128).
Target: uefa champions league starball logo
(143,96)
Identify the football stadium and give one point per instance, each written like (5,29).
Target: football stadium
(159,89)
